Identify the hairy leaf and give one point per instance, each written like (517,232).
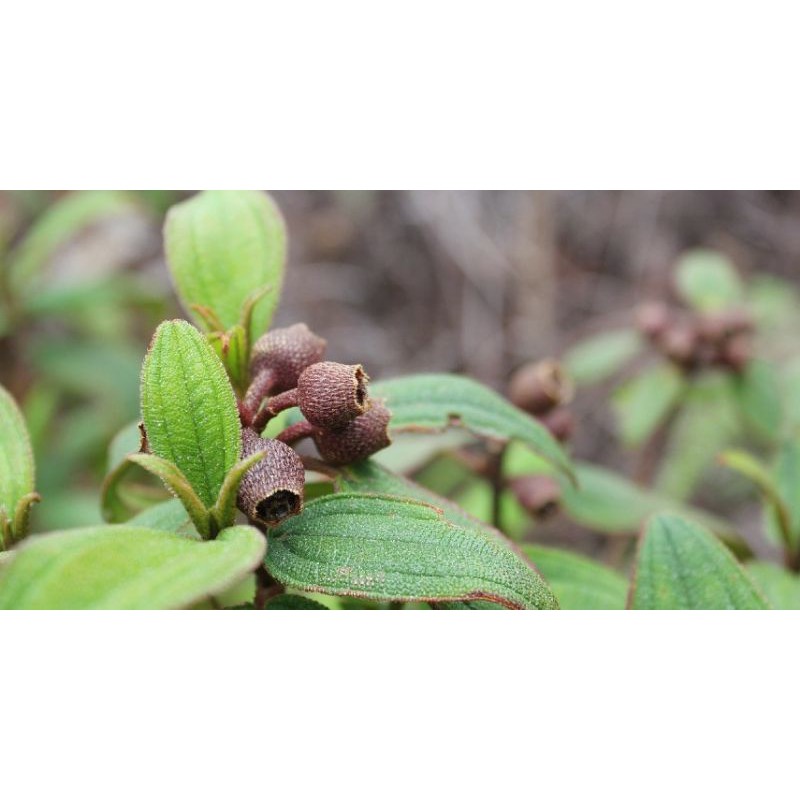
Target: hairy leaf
(599,357)
(708,280)
(645,401)
(189,408)
(432,402)
(221,247)
(177,483)
(682,566)
(124,567)
(16,457)
(578,582)
(390,548)
(169,515)
(293,602)
(126,489)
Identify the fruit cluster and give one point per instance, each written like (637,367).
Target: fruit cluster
(694,340)
(287,371)
(543,390)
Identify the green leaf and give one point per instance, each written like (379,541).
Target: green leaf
(608,503)
(708,280)
(644,402)
(682,566)
(170,515)
(224,510)
(120,496)
(578,582)
(124,567)
(390,548)
(432,402)
(758,390)
(189,408)
(221,247)
(57,226)
(600,356)
(780,518)
(696,439)
(234,352)
(293,602)
(781,587)
(177,483)
(16,466)
(786,478)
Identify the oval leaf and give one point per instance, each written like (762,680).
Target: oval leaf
(221,247)
(708,280)
(16,460)
(579,583)
(644,402)
(600,356)
(432,402)
(682,566)
(390,548)
(124,567)
(189,408)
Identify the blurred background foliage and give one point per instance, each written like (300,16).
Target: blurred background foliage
(474,282)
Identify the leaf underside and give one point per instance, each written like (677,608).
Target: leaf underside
(435,401)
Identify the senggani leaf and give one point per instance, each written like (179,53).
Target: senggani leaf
(177,483)
(758,391)
(16,456)
(432,402)
(189,408)
(169,515)
(599,357)
(392,548)
(608,503)
(696,438)
(708,280)
(579,583)
(125,567)
(293,602)
(682,566)
(126,490)
(223,246)
(644,402)
(16,462)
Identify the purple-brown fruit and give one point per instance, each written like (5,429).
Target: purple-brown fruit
(272,489)
(331,395)
(540,386)
(361,438)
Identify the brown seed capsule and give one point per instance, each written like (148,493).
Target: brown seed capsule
(285,353)
(364,436)
(539,495)
(331,395)
(540,386)
(272,489)
(560,422)
(653,319)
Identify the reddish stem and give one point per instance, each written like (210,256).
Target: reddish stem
(294,433)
